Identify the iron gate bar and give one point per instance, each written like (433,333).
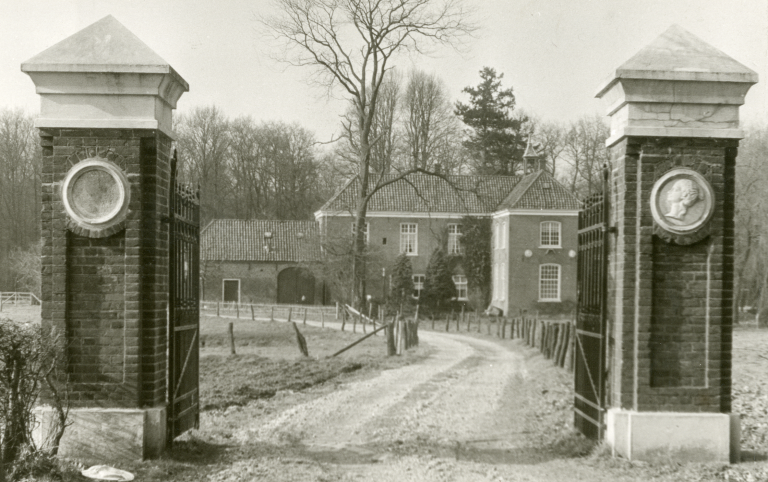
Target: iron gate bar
(591,318)
(183,307)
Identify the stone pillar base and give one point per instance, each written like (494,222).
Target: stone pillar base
(104,435)
(674,436)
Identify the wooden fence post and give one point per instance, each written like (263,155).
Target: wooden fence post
(447,323)
(462,318)
(469,322)
(571,345)
(403,336)
(337,311)
(237,309)
(231,339)
(218,309)
(290,313)
(416,326)
(305,316)
(343,319)
(272,314)
(322,318)
(354,323)
(301,341)
(390,338)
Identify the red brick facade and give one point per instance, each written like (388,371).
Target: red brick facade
(670,340)
(108,294)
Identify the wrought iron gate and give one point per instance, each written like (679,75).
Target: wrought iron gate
(589,367)
(183,307)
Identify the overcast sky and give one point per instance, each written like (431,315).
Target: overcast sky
(553,53)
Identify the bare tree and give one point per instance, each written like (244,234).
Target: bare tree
(584,154)
(432,131)
(203,140)
(751,269)
(25,266)
(20,167)
(351,44)
(383,128)
(549,139)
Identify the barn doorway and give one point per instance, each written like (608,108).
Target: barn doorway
(230,291)
(295,286)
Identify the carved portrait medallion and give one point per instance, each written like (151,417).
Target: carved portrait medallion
(682,201)
(96,194)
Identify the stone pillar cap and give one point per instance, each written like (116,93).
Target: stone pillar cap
(84,80)
(678,86)
(677,54)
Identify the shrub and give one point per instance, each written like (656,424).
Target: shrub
(27,365)
(438,282)
(402,282)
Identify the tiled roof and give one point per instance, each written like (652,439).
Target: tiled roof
(244,240)
(423,193)
(540,190)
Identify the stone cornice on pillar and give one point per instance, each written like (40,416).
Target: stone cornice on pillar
(678,86)
(104,77)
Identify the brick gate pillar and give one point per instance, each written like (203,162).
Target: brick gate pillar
(674,111)
(105,132)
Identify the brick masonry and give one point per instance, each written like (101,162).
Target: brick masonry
(108,294)
(670,340)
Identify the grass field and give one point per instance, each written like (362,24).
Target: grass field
(268,359)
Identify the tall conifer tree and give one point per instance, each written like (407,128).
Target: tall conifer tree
(496,139)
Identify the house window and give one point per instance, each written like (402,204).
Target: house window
(366,230)
(418,285)
(461,286)
(550,234)
(549,282)
(230,290)
(454,238)
(409,243)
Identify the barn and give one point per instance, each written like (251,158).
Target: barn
(260,261)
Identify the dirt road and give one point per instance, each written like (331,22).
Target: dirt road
(470,412)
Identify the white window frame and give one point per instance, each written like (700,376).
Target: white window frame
(503,235)
(454,239)
(461,280)
(418,285)
(495,281)
(366,231)
(546,229)
(503,281)
(545,290)
(413,236)
(239,284)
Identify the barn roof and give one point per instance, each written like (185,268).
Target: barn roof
(259,240)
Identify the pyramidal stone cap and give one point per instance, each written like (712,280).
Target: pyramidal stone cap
(677,86)
(104,76)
